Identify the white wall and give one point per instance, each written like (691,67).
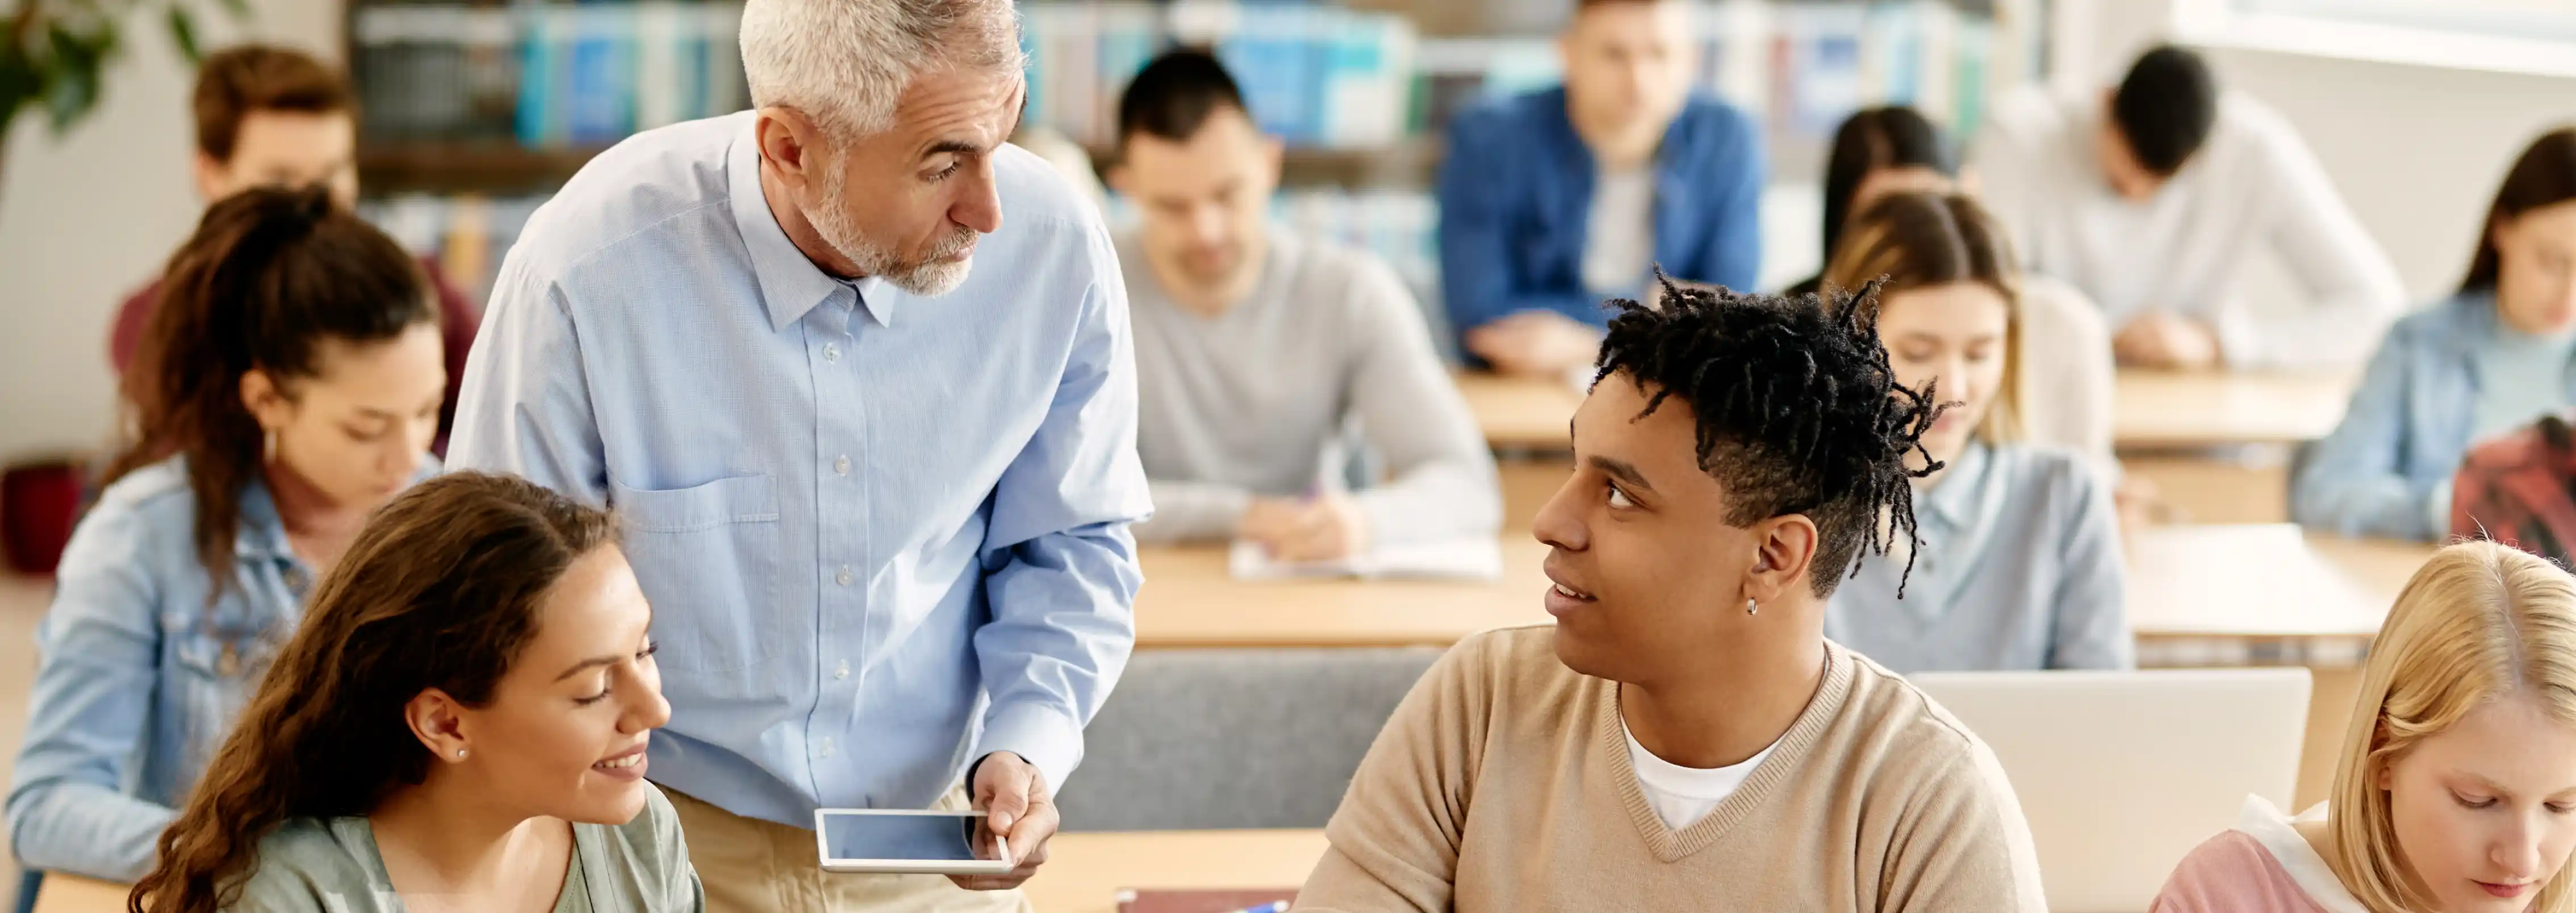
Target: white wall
(86,218)
(2418,151)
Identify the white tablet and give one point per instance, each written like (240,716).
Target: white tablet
(905,842)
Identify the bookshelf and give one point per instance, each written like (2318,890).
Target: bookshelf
(474,111)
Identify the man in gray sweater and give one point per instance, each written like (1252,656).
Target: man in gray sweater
(1263,358)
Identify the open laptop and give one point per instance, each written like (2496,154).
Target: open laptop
(2121,774)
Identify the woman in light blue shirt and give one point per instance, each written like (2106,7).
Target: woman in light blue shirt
(2492,358)
(461,719)
(2019,566)
(290,383)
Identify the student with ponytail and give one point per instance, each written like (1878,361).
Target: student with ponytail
(288,385)
(459,724)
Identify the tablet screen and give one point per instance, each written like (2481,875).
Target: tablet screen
(908,837)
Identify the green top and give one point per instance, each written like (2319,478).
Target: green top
(330,865)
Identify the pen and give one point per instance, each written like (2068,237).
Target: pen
(1276,906)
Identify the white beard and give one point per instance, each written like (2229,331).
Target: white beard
(929,277)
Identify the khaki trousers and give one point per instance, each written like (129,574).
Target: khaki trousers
(753,866)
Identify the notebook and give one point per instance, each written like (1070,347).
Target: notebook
(1453,559)
(1203,901)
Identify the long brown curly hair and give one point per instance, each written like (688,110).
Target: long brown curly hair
(441,590)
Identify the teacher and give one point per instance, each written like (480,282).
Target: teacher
(878,498)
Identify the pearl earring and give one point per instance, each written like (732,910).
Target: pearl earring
(1750,607)
(460,754)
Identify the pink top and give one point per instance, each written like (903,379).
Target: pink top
(2262,866)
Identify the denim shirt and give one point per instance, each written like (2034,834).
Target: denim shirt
(2409,423)
(1516,198)
(139,678)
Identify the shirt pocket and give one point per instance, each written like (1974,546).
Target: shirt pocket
(208,685)
(708,559)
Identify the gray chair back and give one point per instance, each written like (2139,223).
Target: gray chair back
(1224,739)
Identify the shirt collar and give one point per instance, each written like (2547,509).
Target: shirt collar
(1952,504)
(262,535)
(790,284)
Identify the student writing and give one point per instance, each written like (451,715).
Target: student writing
(459,725)
(289,384)
(2154,196)
(2020,566)
(2495,355)
(1258,351)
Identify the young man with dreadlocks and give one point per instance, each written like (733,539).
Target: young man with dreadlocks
(1685,737)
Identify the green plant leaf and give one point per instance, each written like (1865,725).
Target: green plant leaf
(239,8)
(183,32)
(71,81)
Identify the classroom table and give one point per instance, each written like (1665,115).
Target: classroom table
(1520,413)
(74,894)
(2172,410)
(2254,582)
(2150,409)
(1083,873)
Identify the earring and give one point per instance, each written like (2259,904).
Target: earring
(1750,607)
(460,754)
(268,445)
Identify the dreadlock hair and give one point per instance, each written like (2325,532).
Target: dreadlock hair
(1798,410)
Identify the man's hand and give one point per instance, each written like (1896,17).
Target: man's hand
(1020,809)
(2160,340)
(1324,528)
(1535,344)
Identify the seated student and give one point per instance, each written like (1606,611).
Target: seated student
(1685,737)
(2154,196)
(2020,562)
(2458,771)
(2065,352)
(2495,356)
(1255,347)
(460,720)
(273,116)
(1552,201)
(289,385)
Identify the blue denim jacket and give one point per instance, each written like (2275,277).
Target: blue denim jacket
(1516,197)
(140,678)
(2406,429)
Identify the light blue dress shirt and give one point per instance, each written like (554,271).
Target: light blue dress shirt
(140,678)
(2019,569)
(883,535)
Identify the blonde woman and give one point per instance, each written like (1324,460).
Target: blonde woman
(2457,787)
(2020,562)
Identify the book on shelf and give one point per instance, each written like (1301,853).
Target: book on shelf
(545,76)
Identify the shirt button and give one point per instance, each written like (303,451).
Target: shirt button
(831,352)
(843,671)
(845,576)
(841,466)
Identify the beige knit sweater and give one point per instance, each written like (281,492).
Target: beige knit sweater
(1503,784)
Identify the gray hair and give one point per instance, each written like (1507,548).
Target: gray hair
(845,62)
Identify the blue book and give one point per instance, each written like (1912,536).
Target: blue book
(537,77)
(599,81)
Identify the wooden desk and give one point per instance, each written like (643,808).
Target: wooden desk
(74,894)
(1521,412)
(2266,581)
(1190,601)
(2201,409)
(1083,874)
(2150,409)
(2253,582)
